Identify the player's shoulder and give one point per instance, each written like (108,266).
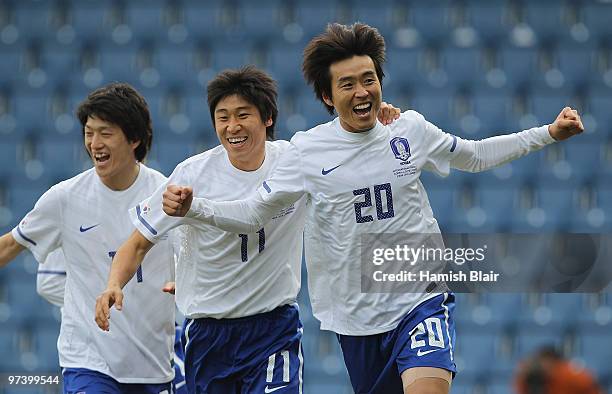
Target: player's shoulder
(152,174)
(82,180)
(201,160)
(409,117)
(306,138)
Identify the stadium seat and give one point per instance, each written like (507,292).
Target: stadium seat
(432,19)
(252,15)
(596,17)
(146,20)
(33,19)
(464,66)
(91,20)
(204,19)
(489,18)
(547,20)
(519,64)
(313,16)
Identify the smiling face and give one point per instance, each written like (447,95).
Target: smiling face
(111,152)
(241,131)
(356,93)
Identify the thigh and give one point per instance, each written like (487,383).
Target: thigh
(370,363)
(80,380)
(427,380)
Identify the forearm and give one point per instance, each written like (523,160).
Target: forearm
(242,216)
(9,249)
(476,156)
(127,259)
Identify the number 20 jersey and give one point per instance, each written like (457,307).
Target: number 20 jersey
(360,183)
(221,274)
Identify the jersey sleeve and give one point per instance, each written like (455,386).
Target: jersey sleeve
(283,188)
(446,151)
(51,278)
(40,230)
(149,217)
(441,148)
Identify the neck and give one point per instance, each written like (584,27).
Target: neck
(252,164)
(350,129)
(123,180)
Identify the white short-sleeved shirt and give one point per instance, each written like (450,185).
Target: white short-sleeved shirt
(51,278)
(360,183)
(89,222)
(221,274)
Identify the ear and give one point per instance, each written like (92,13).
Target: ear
(135,145)
(269,122)
(327,100)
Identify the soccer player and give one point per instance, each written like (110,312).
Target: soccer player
(85,217)
(362,177)
(238,291)
(51,285)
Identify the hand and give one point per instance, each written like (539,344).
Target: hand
(111,296)
(566,125)
(169,287)
(177,200)
(387,113)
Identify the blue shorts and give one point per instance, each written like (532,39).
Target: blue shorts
(255,354)
(424,338)
(86,381)
(178,384)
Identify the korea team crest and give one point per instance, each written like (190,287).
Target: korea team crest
(400,148)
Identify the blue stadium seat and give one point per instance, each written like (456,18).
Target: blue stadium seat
(33,19)
(285,65)
(232,56)
(432,19)
(493,109)
(46,347)
(91,20)
(597,352)
(146,19)
(311,109)
(577,63)
(547,19)
(120,64)
(10,62)
(519,64)
(406,66)
(436,107)
(175,64)
(252,15)
(546,105)
(314,16)
(596,17)
(599,104)
(204,19)
(32,111)
(376,15)
(59,61)
(489,18)
(464,66)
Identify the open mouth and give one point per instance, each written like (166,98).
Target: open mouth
(100,158)
(362,110)
(236,140)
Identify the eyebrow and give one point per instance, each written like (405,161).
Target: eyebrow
(101,128)
(237,109)
(352,78)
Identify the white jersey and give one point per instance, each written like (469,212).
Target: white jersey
(51,278)
(221,274)
(361,183)
(89,222)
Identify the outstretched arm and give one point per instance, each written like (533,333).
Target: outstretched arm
(125,263)
(475,156)
(9,249)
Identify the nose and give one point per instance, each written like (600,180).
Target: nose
(96,140)
(233,126)
(361,91)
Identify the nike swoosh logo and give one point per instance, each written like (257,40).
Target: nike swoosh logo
(83,229)
(420,353)
(325,172)
(268,390)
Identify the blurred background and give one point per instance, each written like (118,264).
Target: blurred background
(475,68)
